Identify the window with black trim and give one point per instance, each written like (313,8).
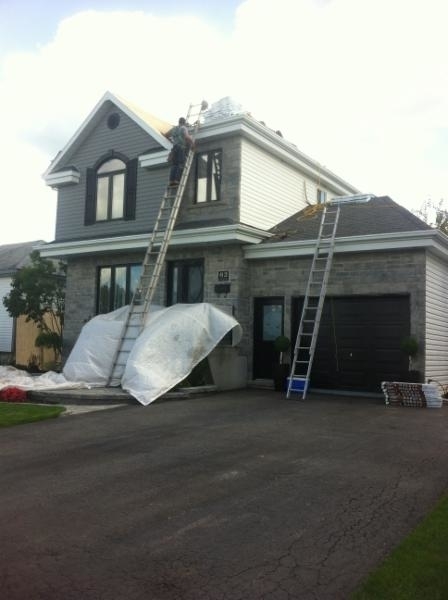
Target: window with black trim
(111,189)
(208,176)
(116,285)
(185,281)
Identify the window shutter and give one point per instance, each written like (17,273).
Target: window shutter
(89,214)
(131,189)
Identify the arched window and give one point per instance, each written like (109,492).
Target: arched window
(110,190)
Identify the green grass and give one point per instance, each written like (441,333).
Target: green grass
(16,414)
(418,568)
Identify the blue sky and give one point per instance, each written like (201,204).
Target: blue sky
(27,23)
(361,87)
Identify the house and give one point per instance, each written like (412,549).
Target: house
(17,336)
(239,242)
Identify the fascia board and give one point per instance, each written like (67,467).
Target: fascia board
(161,139)
(276,145)
(185,237)
(108,96)
(427,239)
(154,159)
(65,177)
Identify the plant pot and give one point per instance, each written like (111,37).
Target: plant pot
(281,372)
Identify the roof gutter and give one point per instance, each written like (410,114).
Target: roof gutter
(224,234)
(430,239)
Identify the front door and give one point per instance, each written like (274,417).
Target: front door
(268,324)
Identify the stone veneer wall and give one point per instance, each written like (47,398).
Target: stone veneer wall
(372,273)
(82,274)
(227,208)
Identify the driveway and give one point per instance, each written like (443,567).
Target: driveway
(232,496)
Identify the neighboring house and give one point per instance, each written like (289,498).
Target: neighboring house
(235,244)
(16,335)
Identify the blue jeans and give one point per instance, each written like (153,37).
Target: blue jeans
(177,162)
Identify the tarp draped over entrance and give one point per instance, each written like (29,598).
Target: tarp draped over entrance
(173,341)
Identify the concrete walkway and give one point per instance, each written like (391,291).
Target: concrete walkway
(231,496)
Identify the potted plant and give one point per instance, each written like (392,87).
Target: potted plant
(281,368)
(409,345)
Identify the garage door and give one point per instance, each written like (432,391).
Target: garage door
(359,341)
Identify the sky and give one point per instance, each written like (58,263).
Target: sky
(359,86)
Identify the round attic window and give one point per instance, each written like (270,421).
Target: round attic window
(113,120)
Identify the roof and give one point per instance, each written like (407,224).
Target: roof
(377,216)
(16,256)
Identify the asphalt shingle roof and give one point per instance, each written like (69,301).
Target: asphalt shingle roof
(15,256)
(379,215)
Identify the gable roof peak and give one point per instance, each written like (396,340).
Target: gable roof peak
(154,127)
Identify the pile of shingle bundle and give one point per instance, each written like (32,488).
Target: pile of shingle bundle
(417,395)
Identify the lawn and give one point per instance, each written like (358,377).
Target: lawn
(417,568)
(16,414)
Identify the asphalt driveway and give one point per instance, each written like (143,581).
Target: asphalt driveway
(233,496)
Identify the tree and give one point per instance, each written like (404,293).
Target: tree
(38,291)
(435,214)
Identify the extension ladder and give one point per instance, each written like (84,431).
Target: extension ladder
(154,259)
(313,303)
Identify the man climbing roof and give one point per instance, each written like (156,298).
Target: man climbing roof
(182,141)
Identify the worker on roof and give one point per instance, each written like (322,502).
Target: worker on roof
(182,141)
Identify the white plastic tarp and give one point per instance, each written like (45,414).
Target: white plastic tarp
(173,341)
(172,344)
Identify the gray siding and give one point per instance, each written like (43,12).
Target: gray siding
(130,140)
(436,319)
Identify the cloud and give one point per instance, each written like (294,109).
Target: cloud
(360,86)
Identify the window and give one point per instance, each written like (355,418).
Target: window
(111,189)
(208,176)
(185,281)
(321,196)
(116,286)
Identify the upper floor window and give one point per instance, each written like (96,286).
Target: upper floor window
(116,286)
(111,189)
(321,196)
(208,176)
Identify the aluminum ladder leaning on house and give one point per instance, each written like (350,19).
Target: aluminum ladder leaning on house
(313,302)
(154,258)
(316,288)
